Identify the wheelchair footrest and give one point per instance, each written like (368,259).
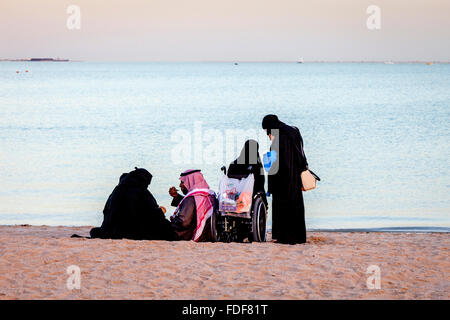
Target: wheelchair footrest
(245,215)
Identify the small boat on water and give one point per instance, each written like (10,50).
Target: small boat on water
(300,60)
(388,62)
(48,60)
(429,63)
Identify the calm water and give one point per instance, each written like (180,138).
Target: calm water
(378,135)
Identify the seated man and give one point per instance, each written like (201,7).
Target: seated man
(192,217)
(132,212)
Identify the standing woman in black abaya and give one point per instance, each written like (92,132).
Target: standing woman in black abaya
(285,185)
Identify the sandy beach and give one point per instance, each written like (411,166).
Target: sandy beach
(332,265)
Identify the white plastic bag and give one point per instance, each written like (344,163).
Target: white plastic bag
(236,195)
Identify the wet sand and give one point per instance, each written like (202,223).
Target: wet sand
(332,265)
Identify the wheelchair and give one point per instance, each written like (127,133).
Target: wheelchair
(230,226)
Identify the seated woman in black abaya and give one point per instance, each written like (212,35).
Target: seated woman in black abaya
(132,212)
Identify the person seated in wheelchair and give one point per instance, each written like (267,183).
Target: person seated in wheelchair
(242,212)
(247,163)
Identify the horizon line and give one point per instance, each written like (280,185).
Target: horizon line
(230,61)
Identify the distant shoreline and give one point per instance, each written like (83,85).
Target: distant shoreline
(36,60)
(219,61)
(417,229)
(388,229)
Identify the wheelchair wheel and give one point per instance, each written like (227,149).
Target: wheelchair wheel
(259,218)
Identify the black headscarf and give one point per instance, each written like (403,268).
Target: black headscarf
(249,156)
(249,153)
(271,122)
(139,177)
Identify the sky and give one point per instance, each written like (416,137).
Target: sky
(231,30)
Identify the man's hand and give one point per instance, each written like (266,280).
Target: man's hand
(163,209)
(173,192)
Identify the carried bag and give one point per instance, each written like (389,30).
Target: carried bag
(235,195)
(309,179)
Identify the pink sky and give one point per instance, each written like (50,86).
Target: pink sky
(231,30)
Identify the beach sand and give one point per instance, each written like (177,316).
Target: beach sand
(332,265)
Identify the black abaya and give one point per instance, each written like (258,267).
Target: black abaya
(132,212)
(288,211)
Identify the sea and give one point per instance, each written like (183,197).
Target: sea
(378,135)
